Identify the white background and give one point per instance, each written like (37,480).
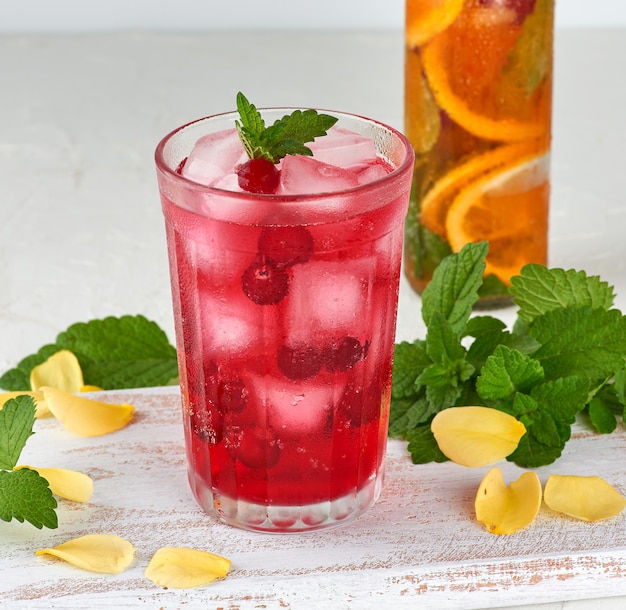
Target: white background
(17,16)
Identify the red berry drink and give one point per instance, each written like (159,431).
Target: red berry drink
(285,281)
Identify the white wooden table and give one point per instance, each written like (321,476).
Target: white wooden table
(419,546)
(81,237)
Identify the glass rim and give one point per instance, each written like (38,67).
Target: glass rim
(405,166)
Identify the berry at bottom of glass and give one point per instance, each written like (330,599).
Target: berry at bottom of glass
(285,310)
(478,101)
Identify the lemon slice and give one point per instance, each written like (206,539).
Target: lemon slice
(509,208)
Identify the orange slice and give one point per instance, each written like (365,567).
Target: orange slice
(466,66)
(427,18)
(437,201)
(509,208)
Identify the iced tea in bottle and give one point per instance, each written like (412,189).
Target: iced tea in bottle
(478,98)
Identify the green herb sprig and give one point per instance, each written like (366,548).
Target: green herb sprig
(114,353)
(24,493)
(565,355)
(287,136)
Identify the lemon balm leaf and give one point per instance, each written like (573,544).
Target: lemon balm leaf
(184,568)
(286,136)
(589,498)
(506,372)
(118,353)
(548,413)
(25,496)
(601,416)
(423,447)
(453,290)
(410,359)
(102,553)
(538,290)
(582,342)
(505,509)
(16,426)
(114,353)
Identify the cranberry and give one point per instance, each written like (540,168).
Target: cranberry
(285,246)
(258,176)
(343,355)
(265,283)
(299,362)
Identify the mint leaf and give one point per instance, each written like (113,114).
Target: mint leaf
(114,353)
(563,398)
(423,447)
(531,453)
(287,136)
(482,325)
(506,372)
(251,127)
(619,387)
(538,290)
(582,342)
(16,426)
(453,290)
(550,410)
(565,355)
(25,496)
(602,416)
(409,360)
(406,414)
(117,353)
(444,379)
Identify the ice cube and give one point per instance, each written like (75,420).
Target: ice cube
(214,156)
(327,300)
(232,325)
(343,148)
(295,408)
(371,173)
(300,174)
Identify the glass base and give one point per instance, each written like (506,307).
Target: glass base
(287,519)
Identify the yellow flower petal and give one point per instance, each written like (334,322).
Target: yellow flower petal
(68,484)
(84,416)
(61,370)
(505,509)
(103,553)
(585,498)
(183,568)
(476,436)
(90,388)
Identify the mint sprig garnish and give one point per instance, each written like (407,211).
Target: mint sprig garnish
(565,355)
(24,494)
(286,136)
(114,353)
